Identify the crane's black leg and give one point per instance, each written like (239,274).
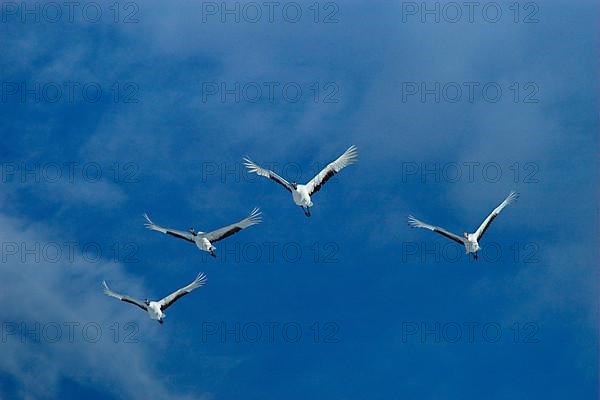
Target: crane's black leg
(476,257)
(308,214)
(160,321)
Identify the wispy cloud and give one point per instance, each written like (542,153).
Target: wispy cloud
(44,339)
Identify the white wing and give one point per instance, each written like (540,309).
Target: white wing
(349,157)
(178,234)
(252,167)
(122,297)
(220,234)
(511,198)
(415,223)
(172,298)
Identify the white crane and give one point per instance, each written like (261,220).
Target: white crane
(155,309)
(204,241)
(301,193)
(469,240)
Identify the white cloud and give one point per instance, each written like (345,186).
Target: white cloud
(56,294)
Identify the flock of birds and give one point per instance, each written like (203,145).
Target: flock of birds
(301,194)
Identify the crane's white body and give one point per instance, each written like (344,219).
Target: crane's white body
(155,312)
(301,196)
(203,243)
(471,244)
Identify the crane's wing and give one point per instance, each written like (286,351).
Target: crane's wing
(178,234)
(220,234)
(349,157)
(415,223)
(124,298)
(172,298)
(252,167)
(511,198)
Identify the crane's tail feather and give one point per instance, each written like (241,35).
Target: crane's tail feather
(199,281)
(149,224)
(350,155)
(255,217)
(415,223)
(512,197)
(252,167)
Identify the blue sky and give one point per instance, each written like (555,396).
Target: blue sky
(392,306)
